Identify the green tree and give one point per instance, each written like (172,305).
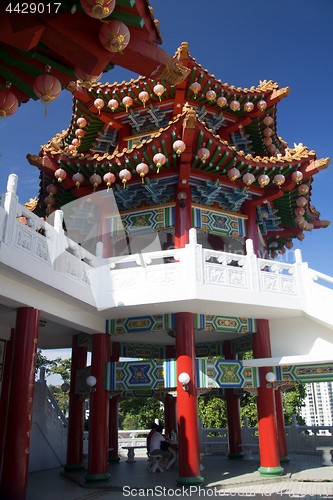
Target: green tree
(140,413)
(62,398)
(43,361)
(62,368)
(293,402)
(213,412)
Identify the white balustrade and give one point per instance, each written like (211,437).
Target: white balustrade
(171,275)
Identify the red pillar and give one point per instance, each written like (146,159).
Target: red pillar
(113,414)
(280,426)
(268,444)
(170,402)
(187,403)
(5,388)
(76,412)
(233,414)
(98,418)
(17,440)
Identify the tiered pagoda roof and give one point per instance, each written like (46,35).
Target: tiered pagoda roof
(62,36)
(235,138)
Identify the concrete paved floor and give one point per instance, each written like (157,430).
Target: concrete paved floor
(304,477)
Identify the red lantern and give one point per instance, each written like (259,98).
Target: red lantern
(109,178)
(233,174)
(125,175)
(281,250)
(79,133)
(211,95)
(71,148)
(303,189)
(144,96)
(221,101)
(76,143)
(98,9)
(297,176)
(262,105)
(99,104)
(268,120)
(263,180)
(47,88)
(299,211)
(49,210)
(179,147)
(195,87)
(274,255)
(86,79)
(299,219)
(268,132)
(49,201)
(8,103)
(127,102)
(300,236)
(95,180)
(234,105)
(114,36)
(78,179)
(279,179)
(159,159)
(142,169)
(203,154)
(51,189)
(268,141)
(248,106)
(60,174)
(82,122)
(159,90)
(113,104)
(272,149)
(289,245)
(248,179)
(301,201)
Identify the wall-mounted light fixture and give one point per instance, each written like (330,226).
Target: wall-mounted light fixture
(91,382)
(182,196)
(184,379)
(270,378)
(65,387)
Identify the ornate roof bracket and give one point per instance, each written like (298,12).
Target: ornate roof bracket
(174,71)
(322,163)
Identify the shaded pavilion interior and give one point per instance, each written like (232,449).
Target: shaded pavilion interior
(193,188)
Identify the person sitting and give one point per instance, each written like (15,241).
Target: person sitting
(153,430)
(155,446)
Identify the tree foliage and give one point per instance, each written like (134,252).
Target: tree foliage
(140,413)
(62,398)
(213,412)
(43,361)
(62,368)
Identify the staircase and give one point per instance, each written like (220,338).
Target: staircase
(48,444)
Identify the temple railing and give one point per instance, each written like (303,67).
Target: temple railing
(247,283)
(299,439)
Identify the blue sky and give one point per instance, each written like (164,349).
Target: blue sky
(288,41)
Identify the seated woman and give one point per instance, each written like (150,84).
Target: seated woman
(153,430)
(155,446)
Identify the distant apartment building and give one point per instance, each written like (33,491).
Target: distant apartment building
(318,408)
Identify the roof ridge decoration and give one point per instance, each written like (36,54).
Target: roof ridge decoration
(264,85)
(322,163)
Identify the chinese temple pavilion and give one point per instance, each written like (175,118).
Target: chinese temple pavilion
(198,163)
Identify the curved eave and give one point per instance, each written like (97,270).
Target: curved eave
(196,135)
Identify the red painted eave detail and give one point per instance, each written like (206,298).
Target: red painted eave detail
(23,38)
